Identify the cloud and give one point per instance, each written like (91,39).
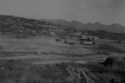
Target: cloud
(94,3)
(34,8)
(90,3)
(105,11)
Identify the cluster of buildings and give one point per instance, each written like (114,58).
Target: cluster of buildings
(22,27)
(79,38)
(84,40)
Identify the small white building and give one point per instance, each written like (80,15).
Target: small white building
(52,33)
(78,33)
(70,41)
(84,37)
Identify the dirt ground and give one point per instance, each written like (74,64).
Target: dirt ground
(45,56)
(45,50)
(41,44)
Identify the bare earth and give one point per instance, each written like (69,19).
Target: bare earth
(47,51)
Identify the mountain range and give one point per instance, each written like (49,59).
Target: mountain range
(89,26)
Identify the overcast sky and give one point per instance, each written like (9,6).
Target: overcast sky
(104,11)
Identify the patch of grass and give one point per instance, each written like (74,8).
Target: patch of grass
(1,47)
(18,71)
(108,48)
(21,72)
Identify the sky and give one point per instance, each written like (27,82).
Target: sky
(103,11)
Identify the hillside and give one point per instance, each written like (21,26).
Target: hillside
(89,26)
(12,20)
(35,27)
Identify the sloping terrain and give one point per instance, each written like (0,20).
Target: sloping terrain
(17,71)
(89,26)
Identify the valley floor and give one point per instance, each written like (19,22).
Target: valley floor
(50,62)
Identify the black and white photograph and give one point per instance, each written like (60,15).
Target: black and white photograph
(62,41)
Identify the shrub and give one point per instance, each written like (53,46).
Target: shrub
(115,62)
(109,48)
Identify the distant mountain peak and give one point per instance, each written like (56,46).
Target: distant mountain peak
(91,26)
(89,23)
(97,23)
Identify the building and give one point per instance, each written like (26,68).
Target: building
(70,41)
(78,33)
(20,36)
(84,37)
(87,40)
(89,43)
(52,33)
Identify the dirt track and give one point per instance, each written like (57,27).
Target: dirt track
(52,58)
(47,50)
